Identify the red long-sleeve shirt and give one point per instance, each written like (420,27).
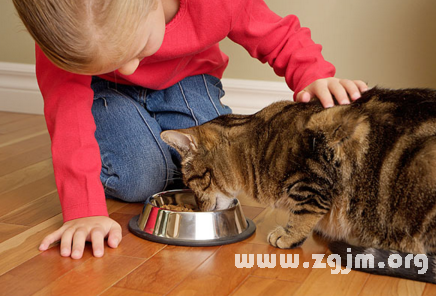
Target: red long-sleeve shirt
(190,47)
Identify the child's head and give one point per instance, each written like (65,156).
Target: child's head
(86,36)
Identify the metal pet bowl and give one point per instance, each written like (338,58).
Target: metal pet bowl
(190,228)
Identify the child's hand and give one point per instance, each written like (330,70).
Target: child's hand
(341,89)
(73,235)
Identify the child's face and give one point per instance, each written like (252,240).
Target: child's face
(149,38)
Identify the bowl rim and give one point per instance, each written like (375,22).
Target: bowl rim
(187,190)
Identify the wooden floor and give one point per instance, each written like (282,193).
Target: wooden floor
(29,210)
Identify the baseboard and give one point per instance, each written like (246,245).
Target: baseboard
(249,96)
(19,91)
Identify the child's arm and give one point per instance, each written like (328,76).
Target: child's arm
(76,157)
(289,49)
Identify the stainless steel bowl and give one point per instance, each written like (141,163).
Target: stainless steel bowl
(190,228)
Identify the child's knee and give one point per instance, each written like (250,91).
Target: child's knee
(139,180)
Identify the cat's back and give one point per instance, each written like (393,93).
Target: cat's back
(413,104)
(403,118)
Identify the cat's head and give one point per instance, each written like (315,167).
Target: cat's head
(206,163)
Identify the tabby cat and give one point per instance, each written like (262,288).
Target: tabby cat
(363,173)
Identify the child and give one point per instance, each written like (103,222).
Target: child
(114,74)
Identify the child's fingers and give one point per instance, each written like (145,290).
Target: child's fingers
(324,95)
(324,89)
(115,235)
(66,241)
(351,88)
(361,85)
(97,240)
(340,93)
(51,238)
(79,239)
(303,96)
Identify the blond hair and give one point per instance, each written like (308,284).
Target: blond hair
(74,34)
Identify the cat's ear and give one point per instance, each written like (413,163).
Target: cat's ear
(180,140)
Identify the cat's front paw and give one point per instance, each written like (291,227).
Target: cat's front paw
(282,238)
(206,204)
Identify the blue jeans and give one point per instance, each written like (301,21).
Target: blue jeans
(136,163)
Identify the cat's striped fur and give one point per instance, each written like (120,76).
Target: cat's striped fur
(363,173)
